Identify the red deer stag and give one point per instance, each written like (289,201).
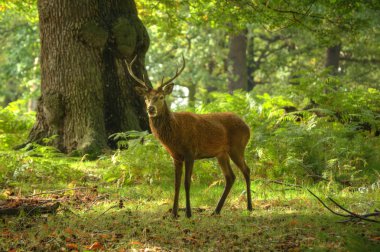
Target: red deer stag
(188,136)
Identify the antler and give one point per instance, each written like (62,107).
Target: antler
(130,71)
(178,72)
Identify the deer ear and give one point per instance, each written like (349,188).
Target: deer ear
(168,89)
(140,90)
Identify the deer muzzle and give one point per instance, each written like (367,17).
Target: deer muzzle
(152,111)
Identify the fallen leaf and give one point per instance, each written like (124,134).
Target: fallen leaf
(135,243)
(5,233)
(266,206)
(104,236)
(96,246)
(71,246)
(295,249)
(218,182)
(69,231)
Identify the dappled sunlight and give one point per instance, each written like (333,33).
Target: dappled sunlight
(284,94)
(147,224)
(115,212)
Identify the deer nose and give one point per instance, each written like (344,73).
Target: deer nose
(151,109)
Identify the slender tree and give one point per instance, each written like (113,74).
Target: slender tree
(250,61)
(238,59)
(332,59)
(86,93)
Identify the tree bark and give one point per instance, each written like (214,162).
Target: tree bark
(192,91)
(238,60)
(86,94)
(332,59)
(251,62)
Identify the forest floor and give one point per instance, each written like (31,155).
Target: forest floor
(99,215)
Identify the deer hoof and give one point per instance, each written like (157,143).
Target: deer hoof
(175,215)
(215,213)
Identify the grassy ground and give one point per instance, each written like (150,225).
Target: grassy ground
(119,209)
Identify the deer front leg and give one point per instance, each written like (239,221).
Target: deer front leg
(177,184)
(188,171)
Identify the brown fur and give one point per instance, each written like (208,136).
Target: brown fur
(188,136)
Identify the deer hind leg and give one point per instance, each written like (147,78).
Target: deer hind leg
(238,158)
(188,171)
(224,162)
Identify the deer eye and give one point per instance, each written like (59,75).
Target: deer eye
(161,97)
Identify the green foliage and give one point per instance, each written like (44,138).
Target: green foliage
(34,164)
(322,131)
(38,166)
(330,135)
(144,161)
(284,39)
(335,141)
(15,123)
(19,43)
(25,8)
(129,138)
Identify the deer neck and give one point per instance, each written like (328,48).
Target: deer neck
(163,125)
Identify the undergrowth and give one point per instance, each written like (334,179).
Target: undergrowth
(317,132)
(129,191)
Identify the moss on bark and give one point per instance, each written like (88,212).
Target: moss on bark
(125,36)
(93,34)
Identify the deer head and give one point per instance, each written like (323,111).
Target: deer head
(154,97)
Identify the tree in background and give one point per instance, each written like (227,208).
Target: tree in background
(237,60)
(332,58)
(86,94)
(19,63)
(283,40)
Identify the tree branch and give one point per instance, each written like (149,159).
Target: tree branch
(59,191)
(361,61)
(351,215)
(323,203)
(354,215)
(302,14)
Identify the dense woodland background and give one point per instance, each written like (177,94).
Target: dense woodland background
(304,75)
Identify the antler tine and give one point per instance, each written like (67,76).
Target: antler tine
(178,72)
(129,67)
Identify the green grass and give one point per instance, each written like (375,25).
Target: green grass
(284,218)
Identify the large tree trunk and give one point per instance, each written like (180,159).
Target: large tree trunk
(86,94)
(238,60)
